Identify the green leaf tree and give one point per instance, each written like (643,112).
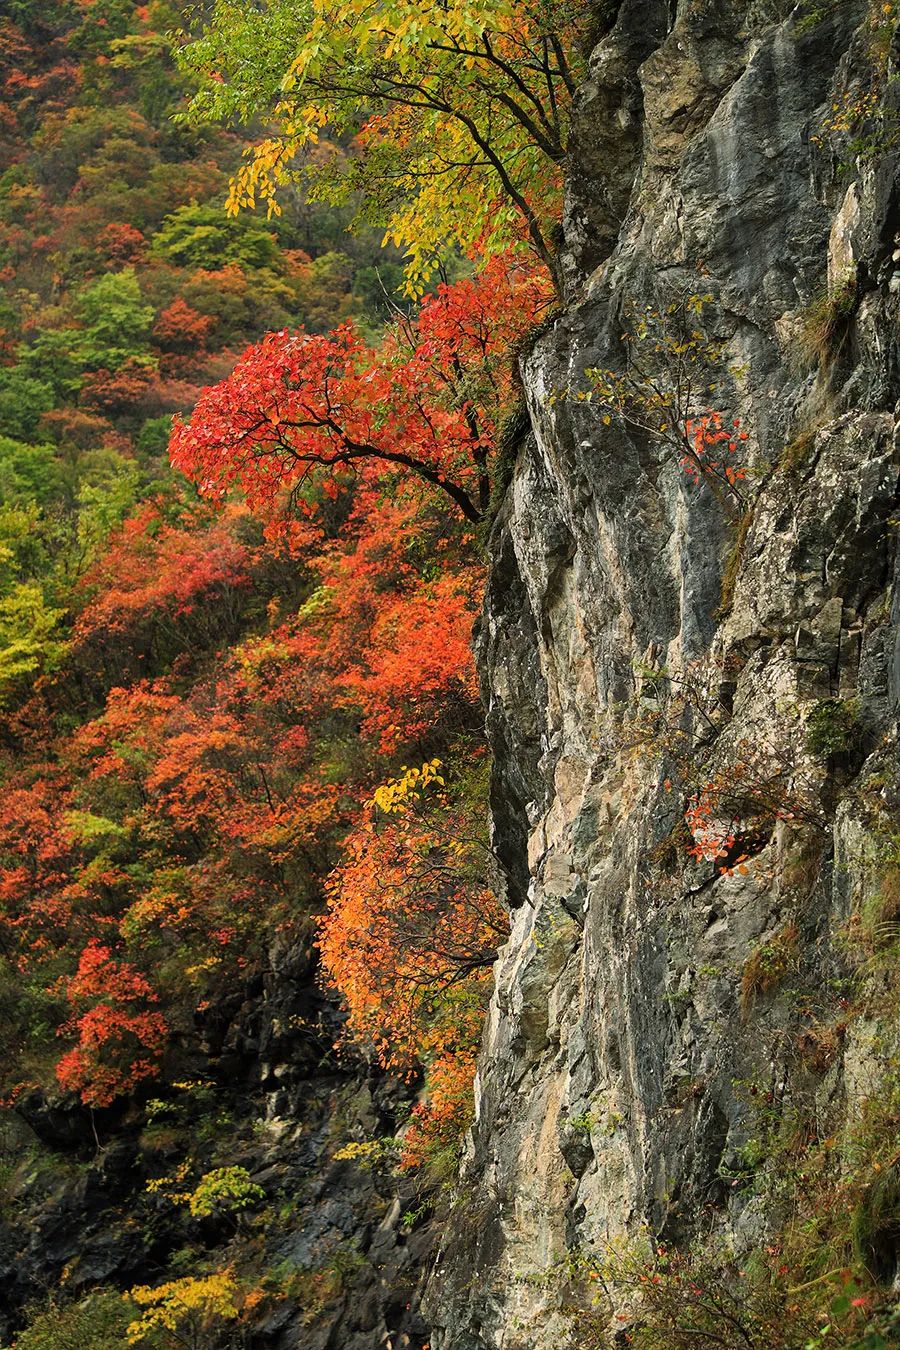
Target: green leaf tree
(203,237)
(460,112)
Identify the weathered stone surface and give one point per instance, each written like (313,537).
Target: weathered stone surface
(607,1096)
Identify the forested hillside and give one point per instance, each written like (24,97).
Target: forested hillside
(241,727)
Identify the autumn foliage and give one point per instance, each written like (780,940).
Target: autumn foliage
(460,113)
(213,690)
(427,400)
(196,812)
(411,914)
(120,1035)
(307,427)
(242,463)
(152,567)
(411,931)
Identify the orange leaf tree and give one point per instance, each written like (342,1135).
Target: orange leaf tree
(121,1037)
(411,931)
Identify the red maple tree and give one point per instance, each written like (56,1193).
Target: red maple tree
(121,1037)
(427,401)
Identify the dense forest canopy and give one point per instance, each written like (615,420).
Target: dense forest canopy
(200,708)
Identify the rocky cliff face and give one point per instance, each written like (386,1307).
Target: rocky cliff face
(651,647)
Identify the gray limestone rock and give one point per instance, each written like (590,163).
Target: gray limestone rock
(623,1019)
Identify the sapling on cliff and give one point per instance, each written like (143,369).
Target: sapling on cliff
(670,388)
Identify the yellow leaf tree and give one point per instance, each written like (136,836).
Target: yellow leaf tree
(453,116)
(187,1312)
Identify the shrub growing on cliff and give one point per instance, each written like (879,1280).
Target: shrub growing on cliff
(411,931)
(224,1190)
(832,726)
(861,120)
(826,324)
(97,1322)
(190,1312)
(683,1299)
(768,965)
(412,892)
(670,389)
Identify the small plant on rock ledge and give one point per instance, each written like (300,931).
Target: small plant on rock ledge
(97,1321)
(826,323)
(674,709)
(832,726)
(224,1190)
(369,1154)
(316,1288)
(582,1123)
(768,965)
(733,812)
(734,561)
(874,929)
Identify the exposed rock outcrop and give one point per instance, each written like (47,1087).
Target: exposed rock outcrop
(265,1091)
(640,642)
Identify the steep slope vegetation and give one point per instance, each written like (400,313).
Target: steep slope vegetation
(248,901)
(195,717)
